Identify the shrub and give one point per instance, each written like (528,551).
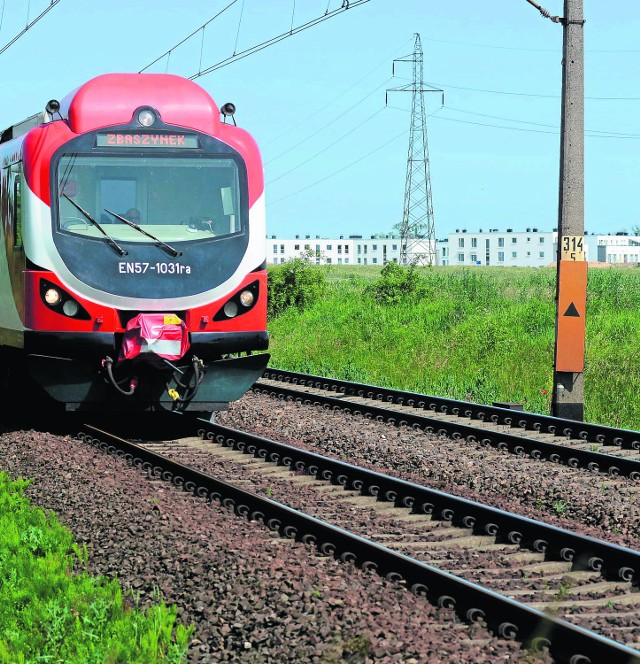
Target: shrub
(396,283)
(296,283)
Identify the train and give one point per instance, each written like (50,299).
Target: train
(133,265)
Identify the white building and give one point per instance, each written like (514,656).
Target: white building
(531,248)
(509,248)
(354,250)
(617,249)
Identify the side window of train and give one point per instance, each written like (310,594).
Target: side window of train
(15,203)
(17,210)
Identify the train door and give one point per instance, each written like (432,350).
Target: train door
(13,216)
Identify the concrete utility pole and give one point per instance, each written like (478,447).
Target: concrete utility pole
(568,378)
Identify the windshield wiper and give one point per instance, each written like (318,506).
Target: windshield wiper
(112,243)
(161,244)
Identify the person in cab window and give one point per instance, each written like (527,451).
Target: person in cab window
(133,215)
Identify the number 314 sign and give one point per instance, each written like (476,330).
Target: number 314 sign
(572,248)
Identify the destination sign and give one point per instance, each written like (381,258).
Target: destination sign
(128,139)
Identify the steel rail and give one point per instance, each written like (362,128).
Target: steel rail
(505,617)
(512,442)
(623,438)
(587,553)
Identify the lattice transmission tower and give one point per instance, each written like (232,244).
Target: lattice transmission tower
(417,229)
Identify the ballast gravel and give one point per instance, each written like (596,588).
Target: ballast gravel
(253,597)
(586,502)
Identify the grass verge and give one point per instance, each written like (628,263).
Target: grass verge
(479,335)
(52,611)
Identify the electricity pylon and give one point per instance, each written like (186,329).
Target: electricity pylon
(418,223)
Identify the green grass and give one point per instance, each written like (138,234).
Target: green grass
(52,611)
(474,334)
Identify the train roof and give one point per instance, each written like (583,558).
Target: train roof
(111,99)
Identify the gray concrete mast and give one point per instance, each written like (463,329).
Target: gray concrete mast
(568,378)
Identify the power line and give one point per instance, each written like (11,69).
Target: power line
(327,147)
(344,168)
(235,46)
(330,123)
(274,40)
(529,49)
(346,4)
(28,26)
(591,133)
(436,114)
(605,133)
(525,94)
(404,132)
(195,32)
(335,99)
(594,133)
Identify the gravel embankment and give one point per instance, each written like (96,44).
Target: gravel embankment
(251,596)
(256,598)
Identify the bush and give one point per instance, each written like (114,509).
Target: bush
(296,283)
(396,283)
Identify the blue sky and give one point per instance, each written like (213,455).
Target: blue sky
(335,154)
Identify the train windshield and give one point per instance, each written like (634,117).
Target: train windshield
(173,199)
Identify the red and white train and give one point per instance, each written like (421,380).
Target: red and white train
(133,261)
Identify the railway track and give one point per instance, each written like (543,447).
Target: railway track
(541,585)
(614,452)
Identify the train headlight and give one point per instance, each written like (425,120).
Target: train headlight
(146,117)
(230,309)
(52,296)
(58,300)
(246,298)
(241,303)
(70,307)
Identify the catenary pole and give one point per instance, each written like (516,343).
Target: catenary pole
(568,379)
(567,398)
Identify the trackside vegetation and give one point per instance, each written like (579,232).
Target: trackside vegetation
(297,284)
(51,610)
(474,334)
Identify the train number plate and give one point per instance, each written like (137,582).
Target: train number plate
(161,267)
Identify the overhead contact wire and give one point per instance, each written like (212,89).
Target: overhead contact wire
(235,46)
(195,32)
(276,39)
(29,25)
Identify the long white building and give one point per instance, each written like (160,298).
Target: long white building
(530,247)
(354,250)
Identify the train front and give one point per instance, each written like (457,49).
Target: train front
(145,240)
